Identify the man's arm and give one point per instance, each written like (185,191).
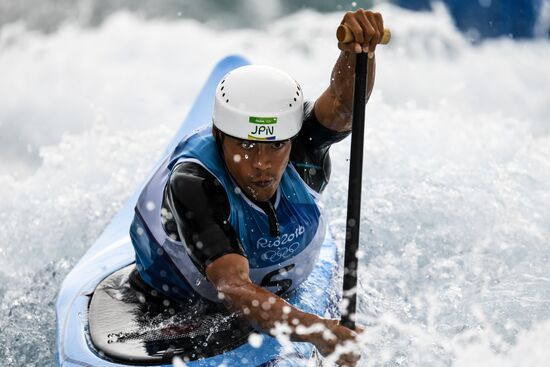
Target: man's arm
(330,120)
(196,208)
(199,206)
(334,107)
(263,309)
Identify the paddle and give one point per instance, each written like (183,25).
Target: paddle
(345,35)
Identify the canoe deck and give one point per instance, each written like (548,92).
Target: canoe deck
(130,323)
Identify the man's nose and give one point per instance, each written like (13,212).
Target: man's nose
(262,158)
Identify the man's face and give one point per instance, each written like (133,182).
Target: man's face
(257,167)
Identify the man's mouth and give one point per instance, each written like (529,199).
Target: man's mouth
(263,182)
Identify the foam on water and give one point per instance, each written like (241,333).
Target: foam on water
(456,209)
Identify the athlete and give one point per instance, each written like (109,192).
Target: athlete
(232,216)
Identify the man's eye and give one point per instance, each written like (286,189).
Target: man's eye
(247,145)
(278,145)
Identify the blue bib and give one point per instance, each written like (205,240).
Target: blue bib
(277,263)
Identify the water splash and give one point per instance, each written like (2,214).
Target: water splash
(456,191)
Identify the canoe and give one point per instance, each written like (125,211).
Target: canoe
(106,319)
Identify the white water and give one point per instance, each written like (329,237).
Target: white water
(455,267)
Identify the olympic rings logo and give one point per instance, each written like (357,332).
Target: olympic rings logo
(280,253)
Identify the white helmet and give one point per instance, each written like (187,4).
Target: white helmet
(258,103)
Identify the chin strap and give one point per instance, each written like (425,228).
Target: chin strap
(219,137)
(274,230)
(269,209)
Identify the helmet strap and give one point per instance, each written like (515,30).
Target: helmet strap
(219,137)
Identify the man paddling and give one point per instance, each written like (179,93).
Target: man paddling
(232,215)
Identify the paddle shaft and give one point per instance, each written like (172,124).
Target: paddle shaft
(354,191)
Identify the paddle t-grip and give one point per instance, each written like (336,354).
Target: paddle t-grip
(345,35)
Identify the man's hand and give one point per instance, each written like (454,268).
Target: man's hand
(338,336)
(367,28)
(229,275)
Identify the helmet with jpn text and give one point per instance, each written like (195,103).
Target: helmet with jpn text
(260,103)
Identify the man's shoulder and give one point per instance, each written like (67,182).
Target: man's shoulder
(192,170)
(193,183)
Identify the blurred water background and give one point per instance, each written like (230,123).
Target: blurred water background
(456,215)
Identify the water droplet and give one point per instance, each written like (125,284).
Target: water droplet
(237,158)
(177,362)
(150,206)
(485,3)
(255,340)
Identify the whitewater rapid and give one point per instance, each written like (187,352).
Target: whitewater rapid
(456,214)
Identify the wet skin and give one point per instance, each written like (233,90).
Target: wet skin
(257,167)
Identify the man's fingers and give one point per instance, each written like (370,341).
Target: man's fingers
(348,360)
(380,24)
(367,29)
(376,35)
(352,47)
(355,26)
